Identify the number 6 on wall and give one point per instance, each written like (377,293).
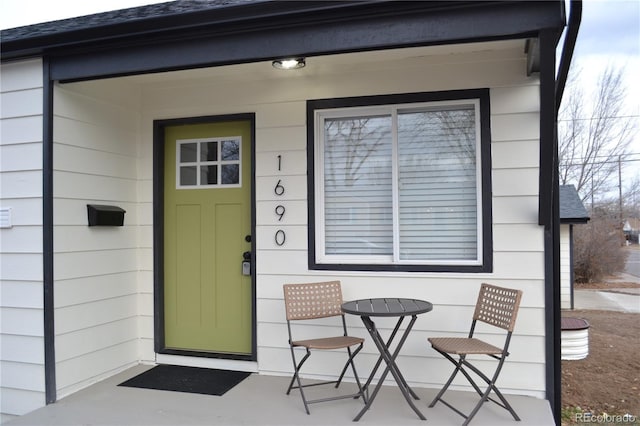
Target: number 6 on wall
(279,189)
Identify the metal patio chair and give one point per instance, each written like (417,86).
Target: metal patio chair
(496,306)
(313,301)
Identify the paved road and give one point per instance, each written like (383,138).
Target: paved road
(633,261)
(622,300)
(606,301)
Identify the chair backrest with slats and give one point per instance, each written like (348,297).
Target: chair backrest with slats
(312,300)
(498,306)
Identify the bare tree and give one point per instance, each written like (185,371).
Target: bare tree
(631,196)
(594,133)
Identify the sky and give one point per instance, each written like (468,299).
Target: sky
(610,35)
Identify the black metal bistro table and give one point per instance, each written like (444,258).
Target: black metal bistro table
(388,307)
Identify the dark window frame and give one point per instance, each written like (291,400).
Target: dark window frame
(482,95)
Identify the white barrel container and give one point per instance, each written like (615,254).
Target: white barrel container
(575,339)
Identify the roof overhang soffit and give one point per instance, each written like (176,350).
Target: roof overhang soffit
(305,29)
(532,49)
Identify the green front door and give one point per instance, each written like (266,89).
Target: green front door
(207,229)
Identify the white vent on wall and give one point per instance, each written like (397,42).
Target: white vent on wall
(5,217)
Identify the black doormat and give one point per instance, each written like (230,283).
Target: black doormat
(187,379)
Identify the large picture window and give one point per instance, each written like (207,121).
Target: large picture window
(401,183)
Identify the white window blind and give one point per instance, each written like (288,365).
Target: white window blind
(437,187)
(401,186)
(358,186)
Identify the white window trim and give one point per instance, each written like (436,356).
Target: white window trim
(391,109)
(199,163)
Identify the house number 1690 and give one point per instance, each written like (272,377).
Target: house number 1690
(280,236)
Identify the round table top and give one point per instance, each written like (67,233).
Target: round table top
(386,307)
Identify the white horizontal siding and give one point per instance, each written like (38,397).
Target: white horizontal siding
(515,182)
(21,321)
(105,189)
(84,264)
(565,267)
(26,349)
(80,342)
(20,375)
(21,130)
(515,154)
(96,268)
(23,239)
(25,211)
(515,127)
(515,209)
(20,266)
(22,103)
(21,75)
(78,373)
(21,157)
(94,162)
(21,293)
(21,184)
(95,314)
(16,402)
(285,140)
(295,213)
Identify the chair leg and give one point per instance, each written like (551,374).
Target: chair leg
(296,377)
(491,387)
(355,373)
(344,369)
(446,386)
(484,396)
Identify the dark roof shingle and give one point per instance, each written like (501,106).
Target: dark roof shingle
(571,208)
(114,17)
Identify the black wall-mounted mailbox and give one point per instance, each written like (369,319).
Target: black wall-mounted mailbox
(100,215)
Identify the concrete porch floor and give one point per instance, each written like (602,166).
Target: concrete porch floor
(261,400)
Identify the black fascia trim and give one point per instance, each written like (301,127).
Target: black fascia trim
(485,152)
(569,220)
(308,35)
(47,237)
(575,17)
(465,20)
(136,24)
(549,206)
(158,234)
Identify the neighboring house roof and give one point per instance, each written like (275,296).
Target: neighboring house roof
(571,208)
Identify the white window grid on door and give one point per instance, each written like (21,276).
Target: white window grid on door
(193,162)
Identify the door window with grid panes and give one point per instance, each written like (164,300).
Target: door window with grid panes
(206,163)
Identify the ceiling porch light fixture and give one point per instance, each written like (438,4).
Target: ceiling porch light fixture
(289,63)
